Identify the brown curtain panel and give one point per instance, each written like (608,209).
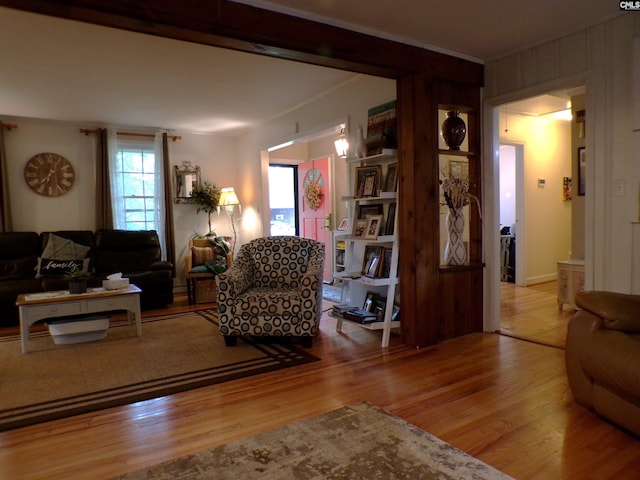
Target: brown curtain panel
(104,212)
(169,233)
(5,207)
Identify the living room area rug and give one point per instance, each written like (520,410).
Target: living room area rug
(175,353)
(358,442)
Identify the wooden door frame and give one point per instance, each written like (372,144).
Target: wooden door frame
(225,24)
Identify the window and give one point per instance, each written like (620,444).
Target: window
(136,171)
(137,183)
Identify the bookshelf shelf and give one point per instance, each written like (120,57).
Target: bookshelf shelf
(355,247)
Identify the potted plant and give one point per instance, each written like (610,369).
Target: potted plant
(78,281)
(206,196)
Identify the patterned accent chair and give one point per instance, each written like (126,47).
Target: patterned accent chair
(273,288)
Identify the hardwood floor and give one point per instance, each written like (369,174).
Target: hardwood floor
(501,399)
(532,313)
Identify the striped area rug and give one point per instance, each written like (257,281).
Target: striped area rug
(175,353)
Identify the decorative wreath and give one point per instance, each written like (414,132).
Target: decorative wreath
(313,195)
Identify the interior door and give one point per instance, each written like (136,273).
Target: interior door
(314,190)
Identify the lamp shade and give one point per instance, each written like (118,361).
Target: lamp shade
(228,197)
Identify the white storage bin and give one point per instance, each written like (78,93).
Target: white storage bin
(78,330)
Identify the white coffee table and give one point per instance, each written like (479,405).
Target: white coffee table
(39,306)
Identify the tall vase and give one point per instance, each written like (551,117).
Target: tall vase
(454,130)
(455,252)
(361,145)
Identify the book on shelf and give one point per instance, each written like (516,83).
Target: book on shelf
(359,315)
(381,128)
(344,307)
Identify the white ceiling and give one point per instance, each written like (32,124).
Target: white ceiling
(64,70)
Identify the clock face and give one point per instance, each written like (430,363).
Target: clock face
(49,174)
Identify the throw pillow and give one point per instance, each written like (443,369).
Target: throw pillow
(64,249)
(201,255)
(51,267)
(62,256)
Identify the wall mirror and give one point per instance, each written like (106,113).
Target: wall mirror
(187,177)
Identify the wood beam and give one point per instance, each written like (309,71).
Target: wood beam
(241,27)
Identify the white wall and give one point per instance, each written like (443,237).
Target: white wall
(352,100)
(215,155)
(546,216)
(30,211)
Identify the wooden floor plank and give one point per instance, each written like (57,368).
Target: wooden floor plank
(501,399)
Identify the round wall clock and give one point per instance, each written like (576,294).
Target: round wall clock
(49,174)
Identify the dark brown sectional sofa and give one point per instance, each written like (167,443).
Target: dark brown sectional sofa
(136,254)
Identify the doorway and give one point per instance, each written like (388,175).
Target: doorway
(535,162)
(315,206)
(512,245)
(283,199)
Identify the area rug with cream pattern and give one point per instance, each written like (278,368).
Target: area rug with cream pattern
(175,353)
(359,442)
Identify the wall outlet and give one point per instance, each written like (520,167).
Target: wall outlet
(541,182)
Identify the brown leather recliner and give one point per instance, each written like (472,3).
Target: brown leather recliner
(603,356)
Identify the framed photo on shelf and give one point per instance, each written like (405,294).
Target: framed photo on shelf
(370,209)
(391,219)
(391,181)
(368,181)
(358,231)
(379,308)
(371,231)
(458,169)
(395,313)
(369,301)
(343,225)
(385,270)
(371,261)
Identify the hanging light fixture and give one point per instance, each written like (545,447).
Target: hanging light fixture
(342,144)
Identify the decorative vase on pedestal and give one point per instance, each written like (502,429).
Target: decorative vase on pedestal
(455,252)
(454,130)
(361,145)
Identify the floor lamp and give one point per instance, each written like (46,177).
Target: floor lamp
(228,201)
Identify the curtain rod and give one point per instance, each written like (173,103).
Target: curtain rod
(151,135)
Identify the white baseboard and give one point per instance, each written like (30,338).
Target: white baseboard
(541,279)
